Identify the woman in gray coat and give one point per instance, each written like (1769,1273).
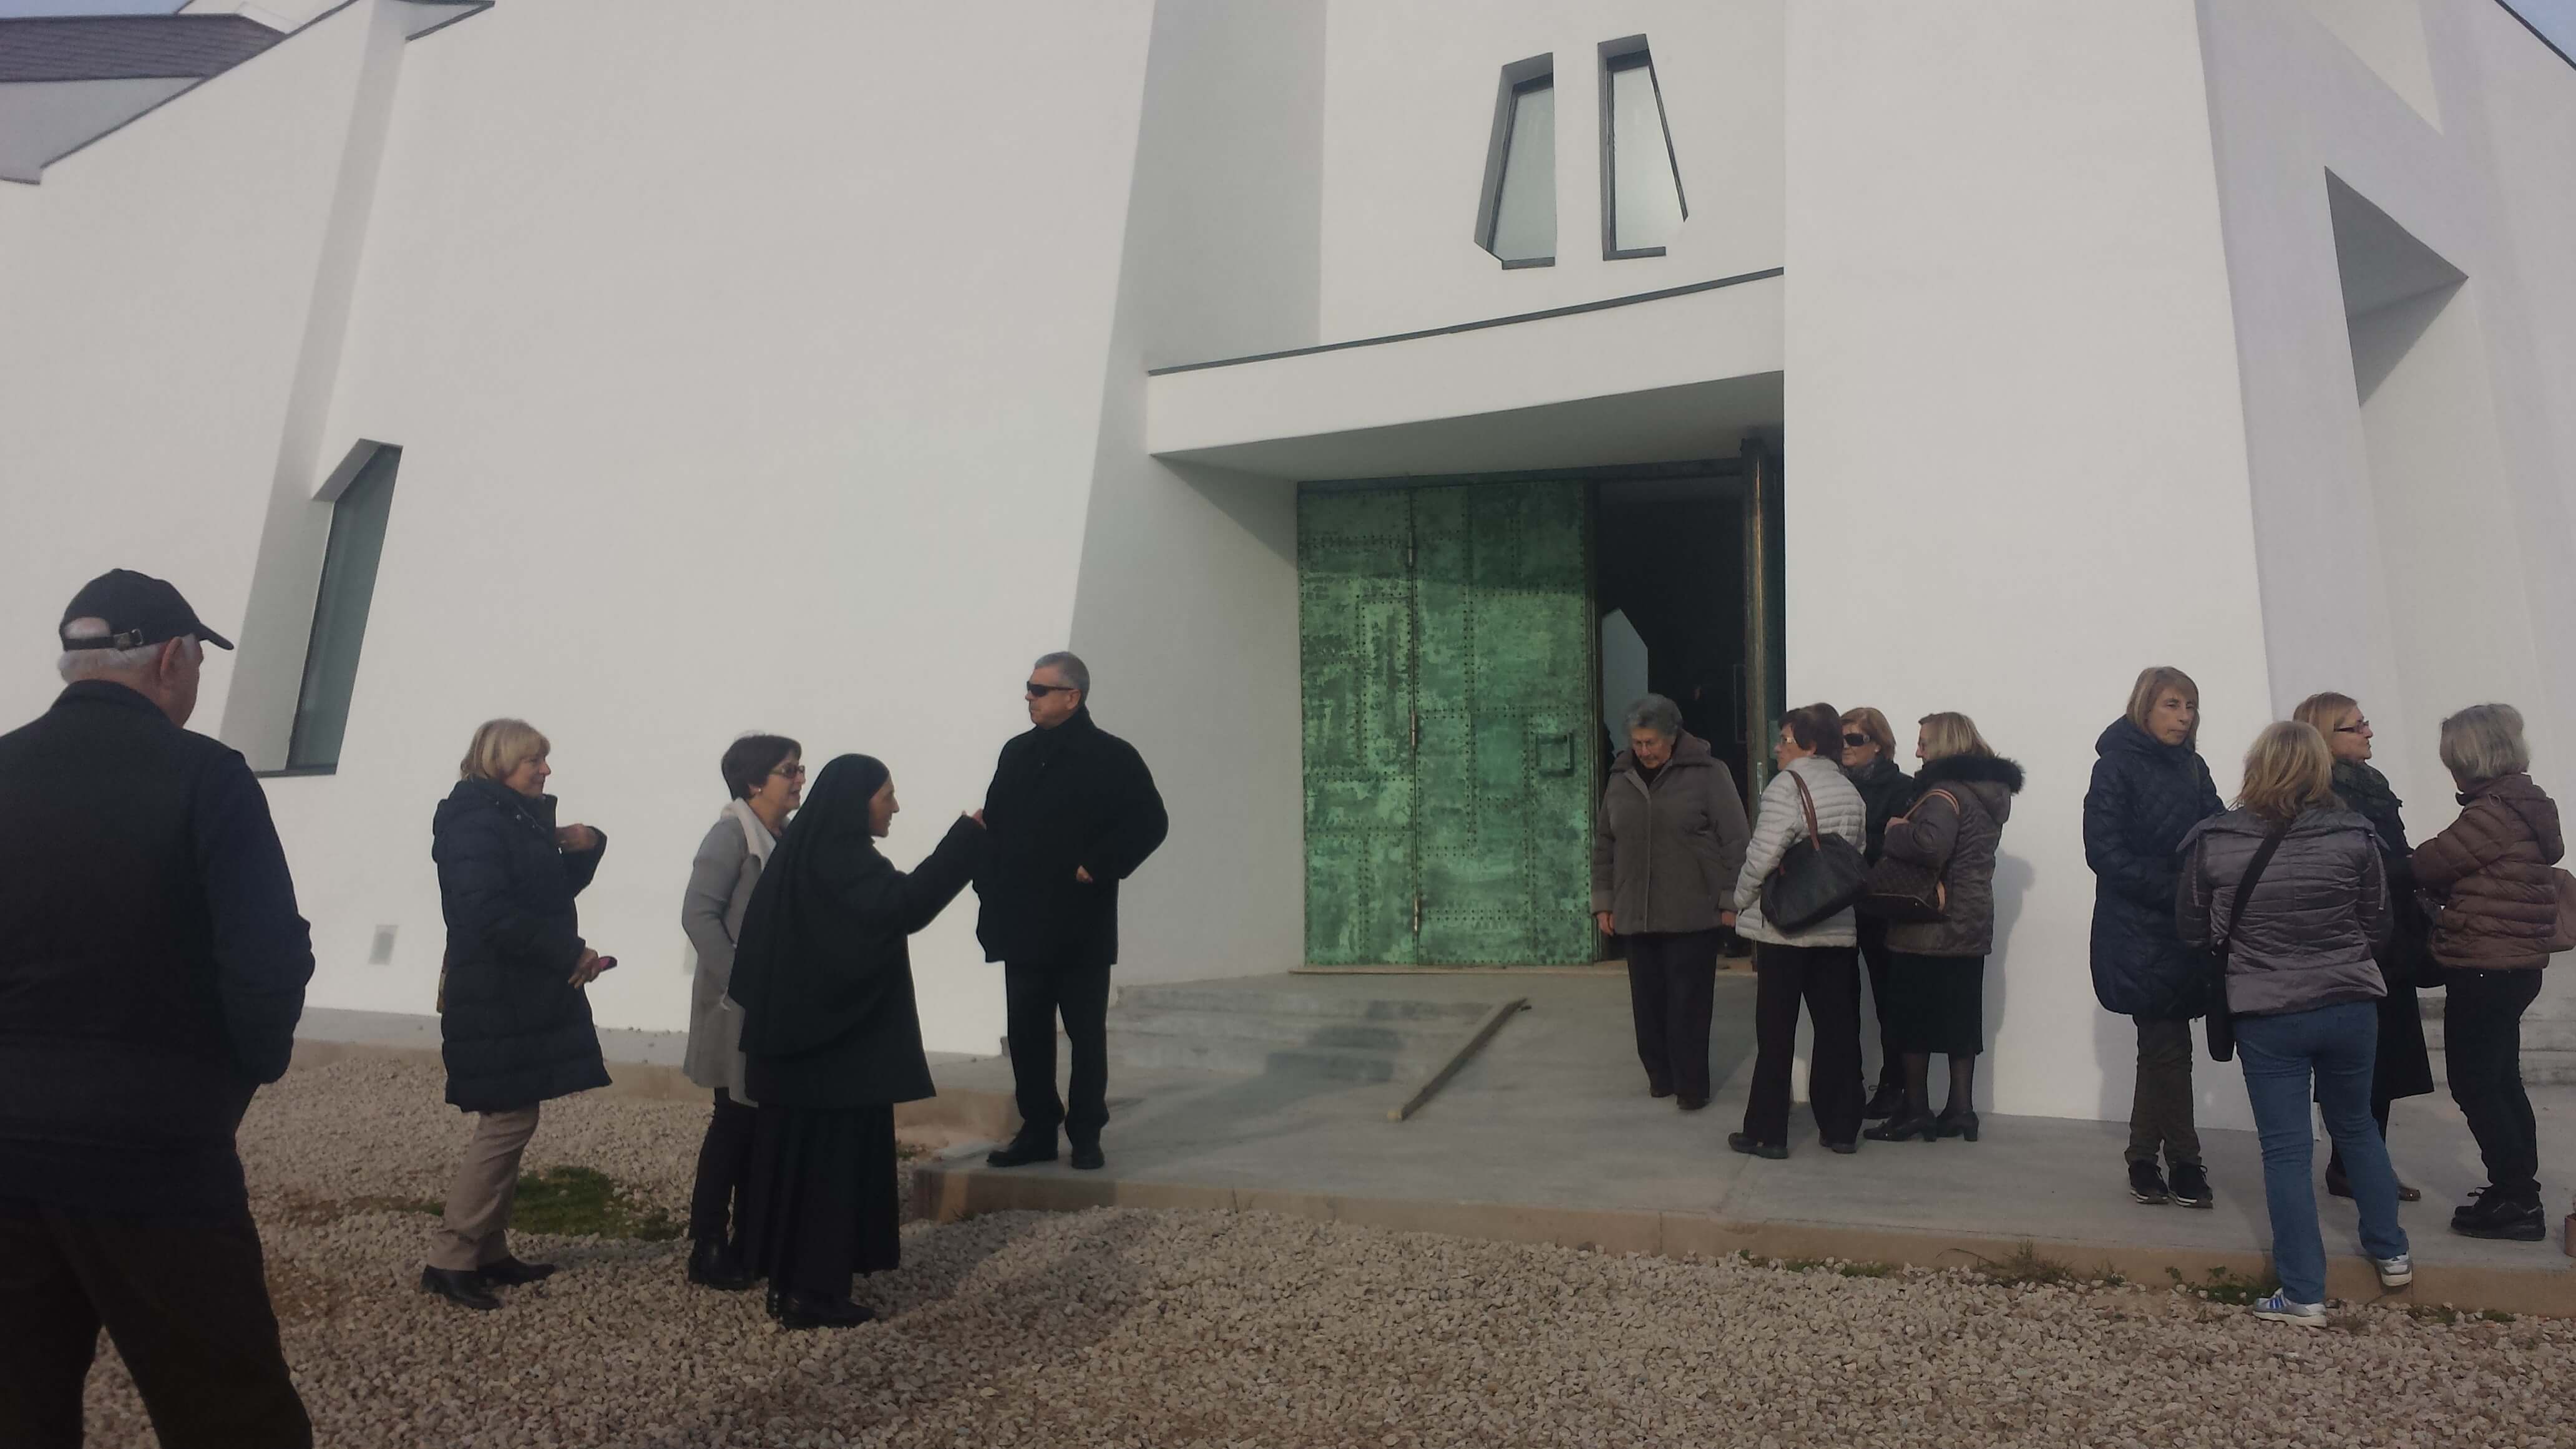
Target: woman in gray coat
(2303,988)
(1936,973)
(1669,841)
(766,777)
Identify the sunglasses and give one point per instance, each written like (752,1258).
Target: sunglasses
(1041,691)
(1857,741)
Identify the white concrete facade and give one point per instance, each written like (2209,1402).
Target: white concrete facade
(806,368)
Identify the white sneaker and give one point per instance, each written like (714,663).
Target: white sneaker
(2395,1272)
(2281,1308)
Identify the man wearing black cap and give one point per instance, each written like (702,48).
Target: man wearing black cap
(152,968)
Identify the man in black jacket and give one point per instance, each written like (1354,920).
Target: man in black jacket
(152,969)
(1071,813)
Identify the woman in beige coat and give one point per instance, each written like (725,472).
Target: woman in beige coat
(766,777)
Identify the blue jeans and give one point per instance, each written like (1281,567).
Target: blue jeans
(2336,1044)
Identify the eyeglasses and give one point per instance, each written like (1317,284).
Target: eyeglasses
(2359,726)
(1041,691)
(789,772)
(1857,741)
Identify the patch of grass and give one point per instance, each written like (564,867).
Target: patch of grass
(2432,1313)
(2223,1285)
(585,1202)
(1836,1266)
(2026,1267)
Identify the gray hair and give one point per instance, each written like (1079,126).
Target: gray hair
(2484,742)
(76,665)
(1654,712)
(1070,666)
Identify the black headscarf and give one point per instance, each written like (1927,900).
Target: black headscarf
(801,970)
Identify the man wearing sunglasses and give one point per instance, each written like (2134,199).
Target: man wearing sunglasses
(1072,812)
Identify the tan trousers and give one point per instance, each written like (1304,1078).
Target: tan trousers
(476,1230)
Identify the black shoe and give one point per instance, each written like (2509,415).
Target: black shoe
(2148,1185)
(2494,1215)
(1887,1102)
(1658,1090)
(1690,1104)
(1738,1142)
(713,1265)
(2191,1186)
(510,1272)
(1954,1124)
(1020,1152)
(1845,1148)
(799,1310)
(462,1287)
(1086,1157)
(1900,1129)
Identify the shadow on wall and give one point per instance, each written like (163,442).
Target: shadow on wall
(2013,880)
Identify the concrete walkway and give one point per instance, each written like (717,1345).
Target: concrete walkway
(1548,1136)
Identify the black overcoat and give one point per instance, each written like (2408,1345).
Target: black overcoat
(1075,797)
(2145,797)
(515,1030)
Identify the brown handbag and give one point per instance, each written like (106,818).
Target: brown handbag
(1903,891)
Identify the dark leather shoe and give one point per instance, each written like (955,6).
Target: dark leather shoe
(1903,1129)
(1020,1152)
(713,1265)
(510,1272)
(1690,1104)
(462,1287)
(1887,1102)
(1845,1149)
(1738,1142)
(1086,1157)
(1658,1090)
(1953,1124)
(2340,1185)
(799,1310)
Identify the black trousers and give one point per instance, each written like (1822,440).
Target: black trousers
(2160,1107)
(724,1172)
(1827,979)
(1875,955)
(2482,1050)
(186,1301)
(1672,982)
(1036,994)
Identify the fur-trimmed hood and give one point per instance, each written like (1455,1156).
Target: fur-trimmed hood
(1993,769)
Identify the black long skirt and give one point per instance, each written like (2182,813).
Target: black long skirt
(1938,1003)
(821,1204)
(2404,1067)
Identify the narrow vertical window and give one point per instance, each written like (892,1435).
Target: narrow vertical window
(1517,221)
(1641,185)
(340,608)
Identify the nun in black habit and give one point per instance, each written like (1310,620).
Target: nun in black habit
(824,977)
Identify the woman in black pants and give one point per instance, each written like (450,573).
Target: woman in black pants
(1869,760)
(766,777)
(1664,856)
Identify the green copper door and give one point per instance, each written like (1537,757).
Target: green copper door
(1447,640)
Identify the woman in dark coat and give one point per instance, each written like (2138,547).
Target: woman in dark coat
(2404,1068)
(2150,787)
(824,977)
(1869,762)
(513,1019)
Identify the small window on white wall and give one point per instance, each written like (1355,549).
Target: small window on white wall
(1517,218)
(1641,187)
(340,608)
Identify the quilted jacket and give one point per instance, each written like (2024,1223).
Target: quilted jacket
(2308,932)
(1960,842)
(1780,821)
(2492,871)
(2144,799)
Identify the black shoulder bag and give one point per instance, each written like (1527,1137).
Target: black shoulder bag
(2222,1022)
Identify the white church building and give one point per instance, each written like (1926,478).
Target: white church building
(1356,384)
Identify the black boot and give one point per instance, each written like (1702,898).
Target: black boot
(1021,1151)
(713,1265)
(461,1286)
(803,1310)
(510,1272)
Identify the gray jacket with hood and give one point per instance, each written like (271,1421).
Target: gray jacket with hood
(1665,854)
(2305,938)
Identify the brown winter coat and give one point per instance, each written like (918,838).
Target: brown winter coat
(1664,856)
(1959,840)
(2492,871)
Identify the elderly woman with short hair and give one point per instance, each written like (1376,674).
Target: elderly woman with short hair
(1670,838)
(513,1019)
(2492,872)
(765,776)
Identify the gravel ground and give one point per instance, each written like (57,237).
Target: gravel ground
(1129,1327)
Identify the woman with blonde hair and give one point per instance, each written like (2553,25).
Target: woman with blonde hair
(2288,887)
(2492,870)
(513,1019)
(2150,787)
(1936,979)
(2403,1068)
(1869,762)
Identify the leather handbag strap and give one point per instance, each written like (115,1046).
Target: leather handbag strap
(1806,802)
(2245,884)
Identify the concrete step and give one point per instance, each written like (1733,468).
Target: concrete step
(1393,1035)
(1296,1002)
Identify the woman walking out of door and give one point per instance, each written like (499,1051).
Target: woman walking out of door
(1820,964)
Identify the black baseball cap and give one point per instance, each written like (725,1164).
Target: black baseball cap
(139,610)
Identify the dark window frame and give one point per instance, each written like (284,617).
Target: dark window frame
(303,753)
(1631,53)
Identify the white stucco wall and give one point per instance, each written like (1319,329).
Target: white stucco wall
(1410,114)
(2015,467)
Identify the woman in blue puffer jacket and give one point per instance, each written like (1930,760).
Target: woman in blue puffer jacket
(2150,787)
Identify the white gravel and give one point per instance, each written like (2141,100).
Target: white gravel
(1144,1328)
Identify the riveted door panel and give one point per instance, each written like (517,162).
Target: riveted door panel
(1355,644)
